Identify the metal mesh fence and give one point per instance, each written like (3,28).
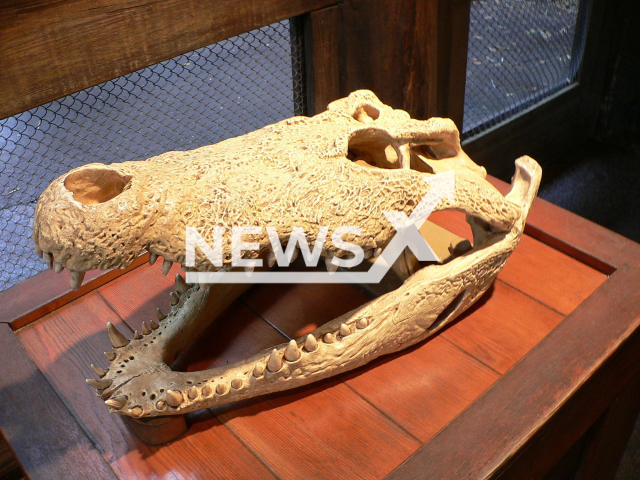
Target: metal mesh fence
(199,98)
(520,52)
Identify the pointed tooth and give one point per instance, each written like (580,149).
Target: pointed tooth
(99,384)
(48,258)
(331,268)
(377,252)
(192,393)
(57,267)
(117,402)
(145,329)
(236,383)
(292,352)
(344,330)
(181,285)
(221,389)
(161,404)
(362,323)
(173,398)
(38,251)
(174,298)
(310,343)
(152,258)
(75,279)
(137,335)
(160,314)
(367,253)
(249,270)
(154,325)
(329,338)
(118,340)
(271,259)
(258,370)
(275,361)
(101,372)
(110,356)
(166,266)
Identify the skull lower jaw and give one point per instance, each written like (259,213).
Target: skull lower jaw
(140,383)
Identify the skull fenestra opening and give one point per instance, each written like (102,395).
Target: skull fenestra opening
(349,166)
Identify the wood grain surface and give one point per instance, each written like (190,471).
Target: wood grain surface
(52,49)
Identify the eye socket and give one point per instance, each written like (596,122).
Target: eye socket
(373,149)
(94,185)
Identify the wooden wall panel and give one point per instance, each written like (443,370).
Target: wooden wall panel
(51,49)
(410,53)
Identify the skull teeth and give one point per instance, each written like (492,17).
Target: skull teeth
(292,352)
(275,361)
(181,285)
(101,372)
(174,298)
(145,330)
(344,330)
(99,384)
(118,340)
(310,343)
(166,266)
(116,402)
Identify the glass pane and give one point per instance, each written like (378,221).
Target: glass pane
(199,98)
(520,52)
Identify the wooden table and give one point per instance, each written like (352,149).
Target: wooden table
(540,377)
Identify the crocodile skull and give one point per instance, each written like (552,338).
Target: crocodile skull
(345,166)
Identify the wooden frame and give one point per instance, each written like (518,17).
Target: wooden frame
(52,49)
(394,49)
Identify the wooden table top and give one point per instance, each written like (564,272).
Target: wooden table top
(558,332)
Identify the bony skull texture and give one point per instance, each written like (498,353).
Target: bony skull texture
(343,167)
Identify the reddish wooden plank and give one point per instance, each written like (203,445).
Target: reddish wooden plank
(550,276)
(136,296)
(65,342)
(540,407)
(581,238)
(423,388)
(300,309)
(324,431)
(501,329)
(43,293)
(47,439)
(453,221)
(560,281)
(237,334)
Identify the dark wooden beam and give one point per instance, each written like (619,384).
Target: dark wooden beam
(51,49)
(322,30)
(412,53)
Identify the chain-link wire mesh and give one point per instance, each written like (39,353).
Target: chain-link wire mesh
(199,98)
(520,52)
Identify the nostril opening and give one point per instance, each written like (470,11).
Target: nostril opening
(95,185)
